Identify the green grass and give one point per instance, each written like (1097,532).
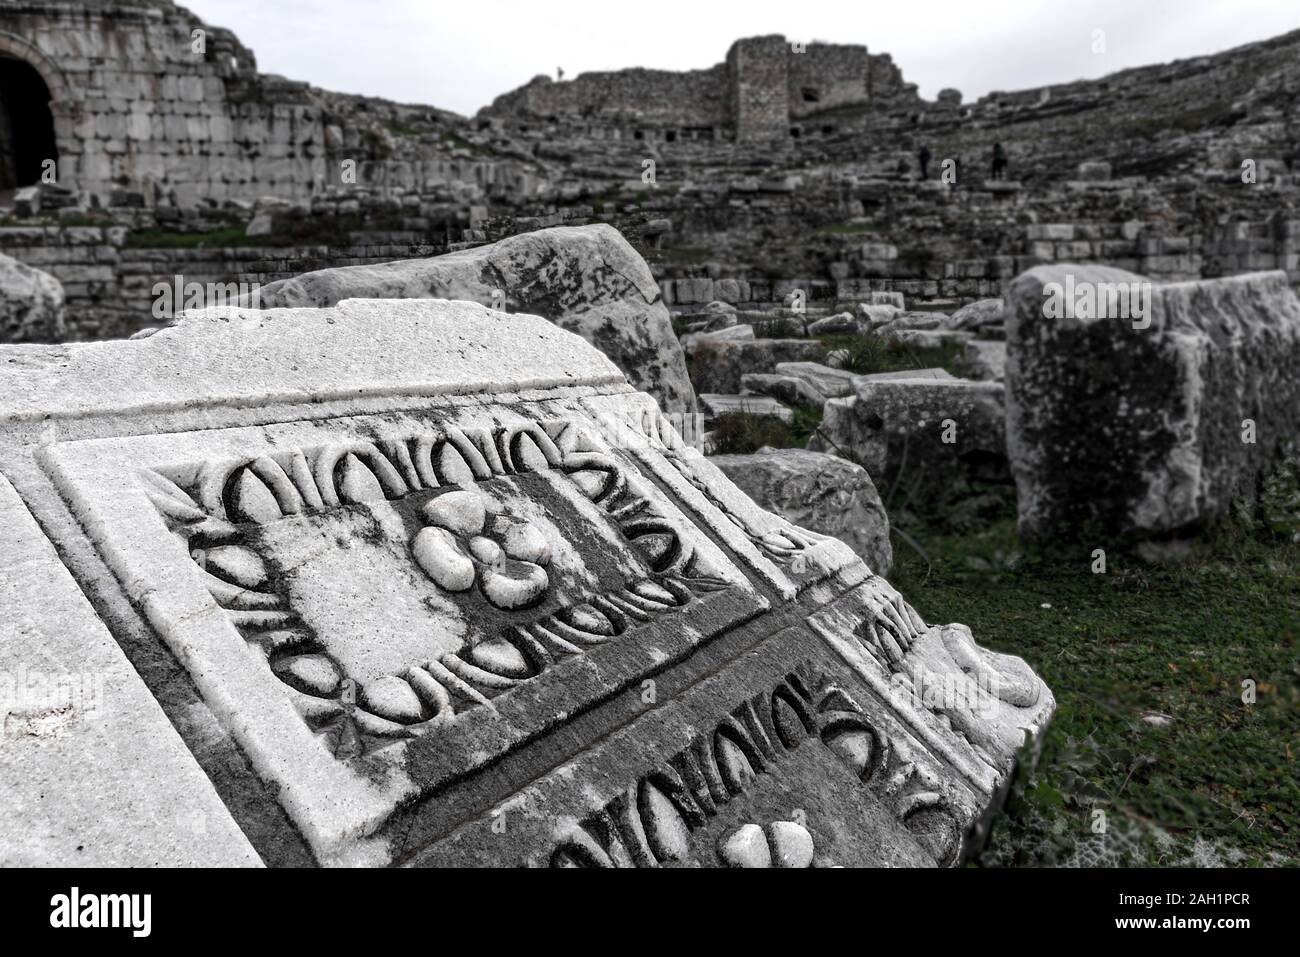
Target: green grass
(846,229)
(454,140)
(1220,783)
(869,354)
(335,231)
(678,254)
(739,433)
(217,239)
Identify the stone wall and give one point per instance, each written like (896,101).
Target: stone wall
(656,98)
(764,84)
(825,76)
(137,109)
(760,91)
(109,285)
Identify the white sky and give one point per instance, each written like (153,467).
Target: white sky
(459,54)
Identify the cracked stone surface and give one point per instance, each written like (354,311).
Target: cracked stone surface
(365,606)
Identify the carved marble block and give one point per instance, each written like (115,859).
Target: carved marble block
(421,583)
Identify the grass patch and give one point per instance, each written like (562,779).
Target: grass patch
(868,354)
(846,229)
(454,140)
(287,230)
(1216,783)
(739,433)
(679,254)
(220,238)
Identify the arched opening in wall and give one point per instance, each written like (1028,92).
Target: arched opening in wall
(26,124)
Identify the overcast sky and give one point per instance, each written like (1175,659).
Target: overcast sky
(459,55)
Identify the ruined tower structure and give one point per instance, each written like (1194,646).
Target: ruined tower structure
(147,99)
(765,85)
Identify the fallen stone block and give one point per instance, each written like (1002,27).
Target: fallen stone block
(831,383)
(692,340)
(27,201)
(784,388)
(586,279)
(986,360)
(823,493)
(1146,425)
(31,303)
(905,374)
(716,405)
(842,323)
(913,320)
(976,315)
(928,338)
(880,313)
(416,568)
(717,365)
(935,432)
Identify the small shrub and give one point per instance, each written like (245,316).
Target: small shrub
(740,433)
(1277,510)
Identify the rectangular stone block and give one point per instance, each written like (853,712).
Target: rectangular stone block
(460,595)
(1146,421)
(1052,232)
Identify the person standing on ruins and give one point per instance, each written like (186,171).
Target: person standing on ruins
(999,162)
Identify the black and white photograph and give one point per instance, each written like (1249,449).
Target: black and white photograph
(667,436)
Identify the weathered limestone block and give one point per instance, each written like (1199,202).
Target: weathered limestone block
(832,383)
(976,315)
(715,405)
(586,279)
(839,324)
(986,360)
(784,388)
(718,364)
(91,772)
(841,432)
(941,431)
(1141,425)
(459,595)
(928,338)
(693,340)
(31,303)
(820,492)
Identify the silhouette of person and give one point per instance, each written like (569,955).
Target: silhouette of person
(999,162)
(924,157)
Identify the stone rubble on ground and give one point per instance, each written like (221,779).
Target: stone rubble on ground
(823,493)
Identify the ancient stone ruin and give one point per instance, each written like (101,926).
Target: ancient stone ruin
(424,606)
(593,481)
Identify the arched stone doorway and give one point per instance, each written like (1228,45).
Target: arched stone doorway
(34,106)
(26,124)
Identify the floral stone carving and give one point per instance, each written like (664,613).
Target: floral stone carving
(407,574)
